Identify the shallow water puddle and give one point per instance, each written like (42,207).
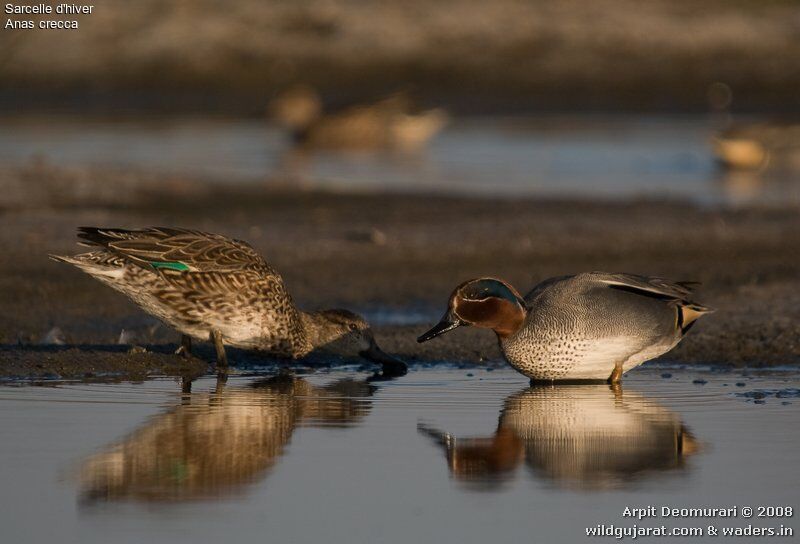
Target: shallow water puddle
(440,455)
(612,157)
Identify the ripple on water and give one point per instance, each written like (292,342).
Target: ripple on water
(433,437)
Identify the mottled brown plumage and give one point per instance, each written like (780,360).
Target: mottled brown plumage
(214,444)
(391,123)
(208,285)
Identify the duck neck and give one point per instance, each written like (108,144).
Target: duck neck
(317,330)
(509,323)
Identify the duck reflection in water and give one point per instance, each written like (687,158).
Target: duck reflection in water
(588,437)
(215,443)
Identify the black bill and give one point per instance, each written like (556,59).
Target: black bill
(392,366)
(448,323)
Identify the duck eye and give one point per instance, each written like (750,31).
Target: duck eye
(353,327)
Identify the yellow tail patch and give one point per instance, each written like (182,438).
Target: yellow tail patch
(687,315)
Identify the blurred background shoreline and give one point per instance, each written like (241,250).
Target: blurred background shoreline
(505,57)
(606,157)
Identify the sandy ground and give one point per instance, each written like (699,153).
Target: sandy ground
(396,258)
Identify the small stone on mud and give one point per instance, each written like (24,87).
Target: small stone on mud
(740,384)
(666,375)
(126,338)
(759,402)
(371,236)
(470,374)
(54,337)
(700,381)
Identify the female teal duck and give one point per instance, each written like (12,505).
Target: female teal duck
(391,123)
(751,146)
(591,326)
(209,286)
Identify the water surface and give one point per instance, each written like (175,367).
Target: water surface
(440,455)
(609,157)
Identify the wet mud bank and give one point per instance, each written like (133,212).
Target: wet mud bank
(396,258)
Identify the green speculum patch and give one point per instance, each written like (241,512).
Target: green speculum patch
(170,265)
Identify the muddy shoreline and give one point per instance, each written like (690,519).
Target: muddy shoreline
(395,258)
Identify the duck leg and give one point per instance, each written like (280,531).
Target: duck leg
(222,358)
(185,349)
(219,388)
(616,374)
(186,385)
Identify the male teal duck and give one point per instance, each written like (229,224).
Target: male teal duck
(208,286)
(591,326)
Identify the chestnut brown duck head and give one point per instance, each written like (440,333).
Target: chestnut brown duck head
(488,303)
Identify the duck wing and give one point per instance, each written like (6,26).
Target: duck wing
(649,286)
(651,302)
(669,293)
(179,250)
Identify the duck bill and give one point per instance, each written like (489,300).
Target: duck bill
(447,324)
(391,365)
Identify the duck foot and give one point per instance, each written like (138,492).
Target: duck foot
(222,379)
(186,384)
(616,374)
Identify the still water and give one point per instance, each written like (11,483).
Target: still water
(439,455)
(559,156)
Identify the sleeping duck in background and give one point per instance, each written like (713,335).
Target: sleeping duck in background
(208,286)
(591,326)
(753,146)
(391,123)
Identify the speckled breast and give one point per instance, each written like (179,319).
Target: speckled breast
(554,360)
(573,357)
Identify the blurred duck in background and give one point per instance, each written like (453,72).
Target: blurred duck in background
(591,437)
(214,444)
(756,146)
(390,123)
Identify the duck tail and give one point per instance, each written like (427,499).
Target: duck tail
(103,236)
(63,259)
(689,312)
(75,261)
(95,264)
